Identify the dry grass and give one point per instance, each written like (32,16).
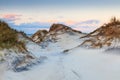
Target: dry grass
(105,34)
(9,37)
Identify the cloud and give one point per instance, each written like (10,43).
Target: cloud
(89,22)
(84,26)
(31,24)
(86,29)
(60,17)
(30,28)
(87,26)
(10,17)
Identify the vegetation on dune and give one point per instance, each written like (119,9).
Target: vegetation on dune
(111,29)
(9,37)
(113,23)
(114,20)
(107,35)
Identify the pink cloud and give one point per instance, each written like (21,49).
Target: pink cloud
(70,22)
(11,16)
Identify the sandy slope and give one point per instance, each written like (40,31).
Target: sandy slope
(77,64)
(94,64)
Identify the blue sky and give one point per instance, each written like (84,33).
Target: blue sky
(84,15)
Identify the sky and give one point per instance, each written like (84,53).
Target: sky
(32,15)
